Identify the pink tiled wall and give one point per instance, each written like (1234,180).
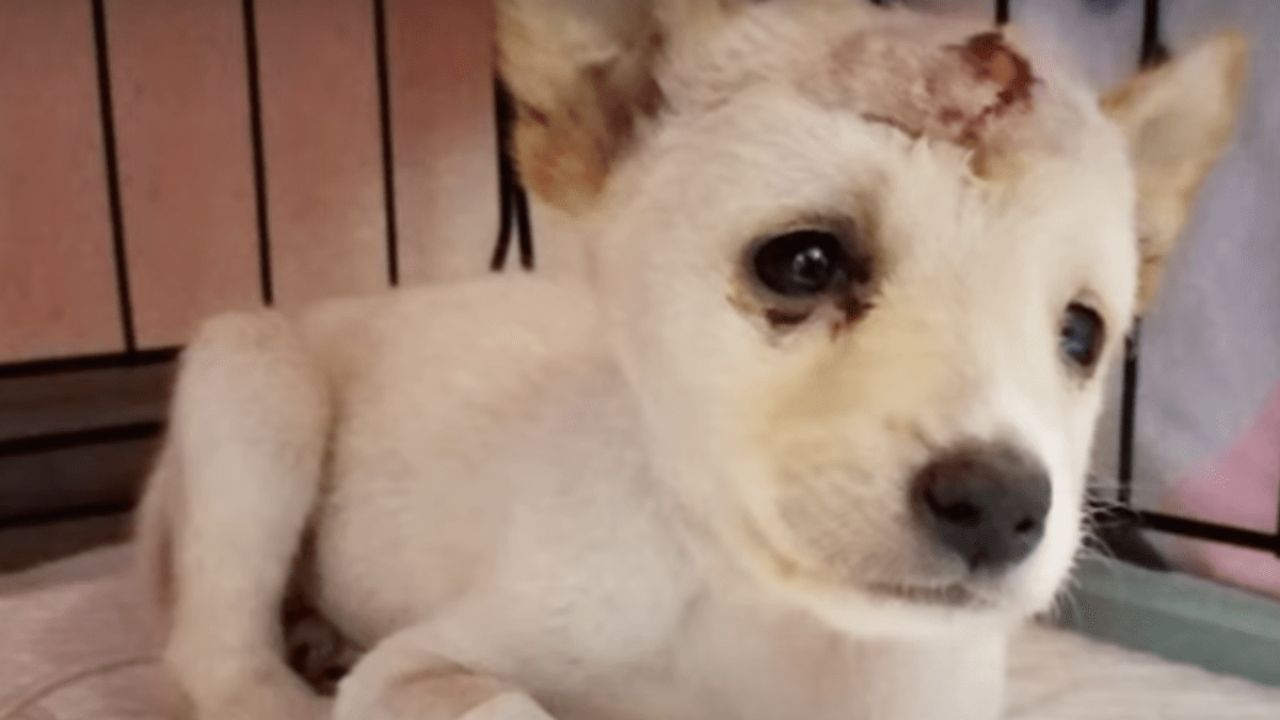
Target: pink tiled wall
(56,288)
(181,112)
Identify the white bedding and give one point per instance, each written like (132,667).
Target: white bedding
(72,647)
(1063,676)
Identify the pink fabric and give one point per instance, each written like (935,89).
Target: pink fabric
(1241,488)
(72,645)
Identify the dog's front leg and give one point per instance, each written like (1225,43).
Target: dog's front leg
(242,470)
(403,678)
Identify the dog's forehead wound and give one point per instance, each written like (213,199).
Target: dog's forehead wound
(992,60)
(963,91)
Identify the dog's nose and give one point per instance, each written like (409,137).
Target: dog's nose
(986,503)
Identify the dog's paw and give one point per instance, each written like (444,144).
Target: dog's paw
(274,696)
(449,696)
(270,707)
(508,706)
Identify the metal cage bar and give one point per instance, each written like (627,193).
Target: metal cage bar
(106,109)
(82,363)
(513,202)
(1128,418)
(386,140)
(67,439)
(257,149)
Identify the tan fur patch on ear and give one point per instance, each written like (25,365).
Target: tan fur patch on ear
(581,73)
(1178,118)
(564,153)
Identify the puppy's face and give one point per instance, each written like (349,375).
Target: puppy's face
(866,272)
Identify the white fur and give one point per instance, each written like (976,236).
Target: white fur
(634,499)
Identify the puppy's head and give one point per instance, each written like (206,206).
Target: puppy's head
(865,271)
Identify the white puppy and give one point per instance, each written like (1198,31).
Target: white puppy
(807,443)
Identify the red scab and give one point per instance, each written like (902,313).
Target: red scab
(895,123)
(784,318)
(991,59)
(960,92)
(534,114)
(852,309)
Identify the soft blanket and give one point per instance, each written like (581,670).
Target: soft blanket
(73,646)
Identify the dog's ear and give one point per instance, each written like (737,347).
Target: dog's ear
(1178,118)
(583,76)
(581,73)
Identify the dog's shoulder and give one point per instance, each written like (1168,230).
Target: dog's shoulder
(466,325)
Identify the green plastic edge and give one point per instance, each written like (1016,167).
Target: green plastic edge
(1177,617)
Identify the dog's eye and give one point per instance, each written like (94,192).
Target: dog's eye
(801,263)
(1080,335)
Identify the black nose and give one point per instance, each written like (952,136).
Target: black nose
(986,503)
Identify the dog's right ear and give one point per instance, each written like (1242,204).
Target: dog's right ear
(581,73)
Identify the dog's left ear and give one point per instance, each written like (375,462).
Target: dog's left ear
(1178,119)
(584,79)
(581,73)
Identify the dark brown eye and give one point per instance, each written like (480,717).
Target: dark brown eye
(802,263)
(1080,335)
